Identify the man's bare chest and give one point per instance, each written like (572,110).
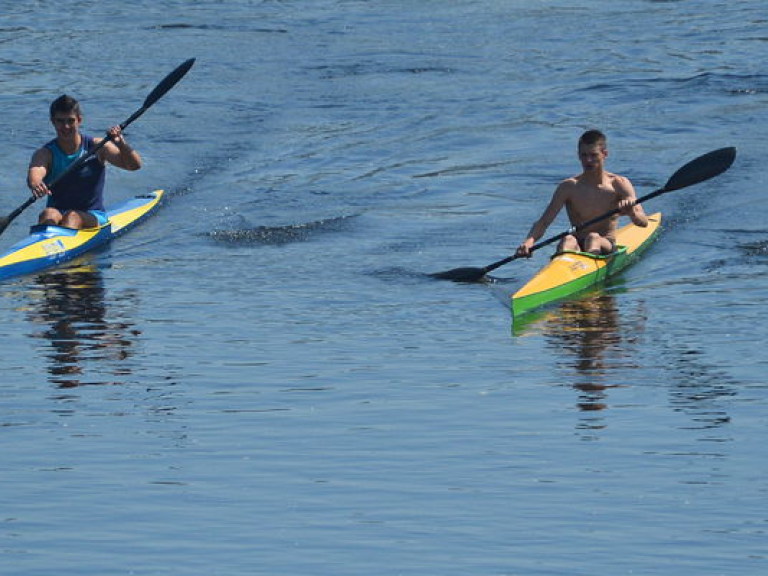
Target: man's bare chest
(588,201)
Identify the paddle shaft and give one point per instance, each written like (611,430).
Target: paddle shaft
(160,90)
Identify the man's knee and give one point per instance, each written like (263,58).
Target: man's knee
(569,243)
(49,216)
(597,244)
(77,220)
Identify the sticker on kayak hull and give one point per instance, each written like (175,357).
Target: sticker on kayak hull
(54,248)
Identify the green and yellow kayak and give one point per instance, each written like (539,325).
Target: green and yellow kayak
(569,273)
(48,246)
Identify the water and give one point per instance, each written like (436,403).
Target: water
(262,379)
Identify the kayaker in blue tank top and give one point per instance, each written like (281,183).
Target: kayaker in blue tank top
(83,189)
(77,200)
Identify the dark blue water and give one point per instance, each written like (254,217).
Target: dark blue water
(262,379)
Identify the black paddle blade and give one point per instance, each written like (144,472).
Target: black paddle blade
(168,82)
(4,221)
(702,168)
(461,274)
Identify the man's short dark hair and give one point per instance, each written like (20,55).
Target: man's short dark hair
(65,104)
(593,137)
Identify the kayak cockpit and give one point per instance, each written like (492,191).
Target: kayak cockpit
(50,230)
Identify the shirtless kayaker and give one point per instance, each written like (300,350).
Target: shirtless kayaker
(588,195)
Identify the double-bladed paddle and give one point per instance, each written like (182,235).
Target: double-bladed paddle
(702,168)
(160,90)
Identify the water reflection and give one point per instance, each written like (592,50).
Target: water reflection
(71,303)
(594,343)
(589,342)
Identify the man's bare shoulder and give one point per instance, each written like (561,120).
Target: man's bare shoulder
(41,156)
(616,177)
(571,180)
(619,183)
(569,184)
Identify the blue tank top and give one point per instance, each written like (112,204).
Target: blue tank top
(82,189)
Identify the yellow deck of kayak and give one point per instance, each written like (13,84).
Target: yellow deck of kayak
(571,272)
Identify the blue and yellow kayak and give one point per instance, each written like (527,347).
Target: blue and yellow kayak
(48,246)
(569,273)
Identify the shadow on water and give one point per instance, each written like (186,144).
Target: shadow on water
(279,235)
(71,304)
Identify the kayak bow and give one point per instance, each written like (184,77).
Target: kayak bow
(48,246)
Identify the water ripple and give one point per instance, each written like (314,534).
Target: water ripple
(278,235)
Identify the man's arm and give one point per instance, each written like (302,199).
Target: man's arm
(540,226)
(38,169)
(627,203)
(118,153)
